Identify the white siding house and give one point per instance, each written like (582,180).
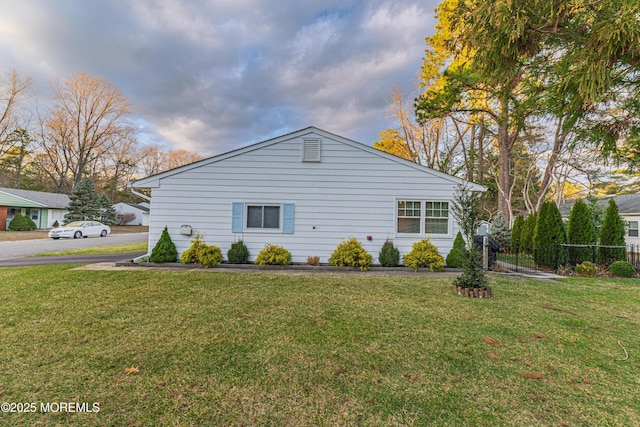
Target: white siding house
(307,191)
(140,212)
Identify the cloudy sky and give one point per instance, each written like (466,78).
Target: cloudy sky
(210,76)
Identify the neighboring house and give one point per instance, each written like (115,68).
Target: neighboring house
(307,191)
(140,212)
(43,208)
(629,208)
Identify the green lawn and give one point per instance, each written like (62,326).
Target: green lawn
(267,349)
(101,250)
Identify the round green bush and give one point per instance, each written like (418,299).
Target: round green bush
(200,252)
(389,255)
(424,254)
(622,269)
(239,253)
(22,223)
(273,255)
(351,253)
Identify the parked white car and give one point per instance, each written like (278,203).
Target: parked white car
(78,229)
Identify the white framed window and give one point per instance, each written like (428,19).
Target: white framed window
(426,217)
(632,230)
(266,217)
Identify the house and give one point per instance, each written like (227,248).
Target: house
(43,208)
(629,208)
(307,191)
(139,211)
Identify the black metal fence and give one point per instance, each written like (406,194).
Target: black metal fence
(554,256)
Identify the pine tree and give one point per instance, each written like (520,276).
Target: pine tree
(516,233)
(580,232)
(500,232)
(164,250)
(108,214)
(612,234)
(549,234)
(84,204)
(458,254)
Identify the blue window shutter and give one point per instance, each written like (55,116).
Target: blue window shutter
(237,212)
(287,218)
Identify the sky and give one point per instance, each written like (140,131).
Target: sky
(210,76)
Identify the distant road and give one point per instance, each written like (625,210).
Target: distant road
(25,248)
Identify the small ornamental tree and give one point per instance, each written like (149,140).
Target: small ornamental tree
(108,212)
(516,233)
(612,234)
(549,234)
(85,203)
(580,232)
(389,255)
(500,232)
(457,254)
(528,231)
(164,250)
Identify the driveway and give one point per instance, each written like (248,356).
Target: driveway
(25,248)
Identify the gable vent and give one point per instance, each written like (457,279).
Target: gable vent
(310,150)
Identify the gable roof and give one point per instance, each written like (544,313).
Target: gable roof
(628,204)
(46,200)
(135,206)
(154,180)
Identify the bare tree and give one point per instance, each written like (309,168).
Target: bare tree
(152,159)
(86,121)
(13,90)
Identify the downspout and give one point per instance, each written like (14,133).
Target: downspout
(138,259)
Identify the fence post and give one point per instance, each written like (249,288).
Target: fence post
(557,254)
(485,253)
(517,252)
(593,254)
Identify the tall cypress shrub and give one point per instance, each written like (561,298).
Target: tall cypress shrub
(612,234)
(516,233)
(580,232)
(528,231)
(549,233)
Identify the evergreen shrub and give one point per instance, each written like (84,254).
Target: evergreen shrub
(239,253)
(549,233)
(273,255)
(516,233)
(164,250)
(612,234)
(622,269)
(389,255)
(528,231)
(458,254)
(351,253)
(580,232)
(21,223)
(473,274)
(500,232)
(424,254)
(200,252)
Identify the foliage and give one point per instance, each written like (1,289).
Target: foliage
(164,250)
(22,223)
(465,207)
(586,269)
(457,255)
(528,232)
(473,275)
(549,233)
(622,269)
(351,253)
(598,212)
(424,254)
(500,232)
(612,234)
(125,218)
(84,203)
(580,232)
(108,212)
(313,260)
(273,255)
(56,224)
(201,253)
(238,253)
(389,255)
(516,233)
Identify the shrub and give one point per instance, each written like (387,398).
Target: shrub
(22,223)
(473,275)
(580,232)
(313,260)
(549,232)
(389,255)
(164,250)
(239,253)
(457,255)
(351,253)
(586,269)
(528,231)
(273,255)
(612,234)
(56,224)
(424,254)
(500,232)
(200,252)
(516,233)
(622,269)
(125,218)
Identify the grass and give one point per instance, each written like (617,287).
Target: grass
(268,349)
(101,250)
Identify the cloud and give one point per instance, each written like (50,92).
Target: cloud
(213,75)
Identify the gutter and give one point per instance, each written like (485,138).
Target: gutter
(147,198)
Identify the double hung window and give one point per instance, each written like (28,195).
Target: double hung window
(422,217)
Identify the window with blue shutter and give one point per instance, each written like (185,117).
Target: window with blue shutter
(288,218)
(237,214)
